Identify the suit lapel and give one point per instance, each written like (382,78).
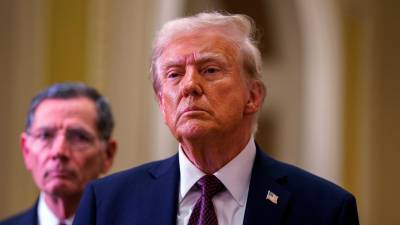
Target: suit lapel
(31,216)
(164,192)
(265,178)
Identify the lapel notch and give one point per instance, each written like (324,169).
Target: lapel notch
(162,193)
(267,199)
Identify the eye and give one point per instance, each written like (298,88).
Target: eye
(45,135)
(174,72)
(173,75)
(79,136)
(211,70)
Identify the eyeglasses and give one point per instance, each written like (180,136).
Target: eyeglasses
(75,138)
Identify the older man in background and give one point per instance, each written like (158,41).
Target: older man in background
(207,78)
(66,143)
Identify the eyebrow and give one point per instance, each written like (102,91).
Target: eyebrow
(173,62)
(209,57)
(199,58)
(43,128)
(69,128)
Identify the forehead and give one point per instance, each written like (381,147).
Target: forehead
(198,46)
(61,112)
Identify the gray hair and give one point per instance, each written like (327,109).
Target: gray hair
(104,120)
(238,28)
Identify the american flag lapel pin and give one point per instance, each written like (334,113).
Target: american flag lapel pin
(272,197)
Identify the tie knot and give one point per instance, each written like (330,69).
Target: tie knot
(210,185)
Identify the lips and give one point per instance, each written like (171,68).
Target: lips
(191,109)
(60,173)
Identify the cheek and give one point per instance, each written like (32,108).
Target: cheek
(229,103)
(228,96)
(168,106)
(37,163)
(38,170)
(90,166)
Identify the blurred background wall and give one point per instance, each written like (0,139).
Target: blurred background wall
(332,69)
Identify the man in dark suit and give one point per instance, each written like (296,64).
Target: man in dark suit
(66,143)
(207,78)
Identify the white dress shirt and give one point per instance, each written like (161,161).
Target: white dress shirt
(230,204)
(46,216)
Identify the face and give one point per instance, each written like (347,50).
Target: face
(63,150)
(202,91)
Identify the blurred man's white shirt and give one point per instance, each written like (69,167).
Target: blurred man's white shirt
(46,216)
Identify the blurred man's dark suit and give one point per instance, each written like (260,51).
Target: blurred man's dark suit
(28,217)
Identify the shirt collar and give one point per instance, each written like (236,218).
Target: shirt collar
(46,216)
(235,175)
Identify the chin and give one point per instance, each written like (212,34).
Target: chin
(194,131)
(62,189)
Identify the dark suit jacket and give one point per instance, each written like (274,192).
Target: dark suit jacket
(148,195)
(29,217)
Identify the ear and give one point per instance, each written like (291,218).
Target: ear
(26,151)
(256,97)
(109,155)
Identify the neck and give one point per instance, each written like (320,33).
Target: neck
(63,207)
(211,154)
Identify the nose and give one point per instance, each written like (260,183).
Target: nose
(60,148)
(192,83)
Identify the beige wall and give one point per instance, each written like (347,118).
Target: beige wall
(344,51)
(384,110)
(20,77)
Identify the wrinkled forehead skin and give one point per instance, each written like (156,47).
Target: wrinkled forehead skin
(224,34)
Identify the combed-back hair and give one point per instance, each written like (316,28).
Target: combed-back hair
(104,119)
(238,28)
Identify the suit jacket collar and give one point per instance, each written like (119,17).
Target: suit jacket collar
(266,177)
(29,217)
(165,195)
(34,214)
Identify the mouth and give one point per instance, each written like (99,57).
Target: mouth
(60,174)
(192,110)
